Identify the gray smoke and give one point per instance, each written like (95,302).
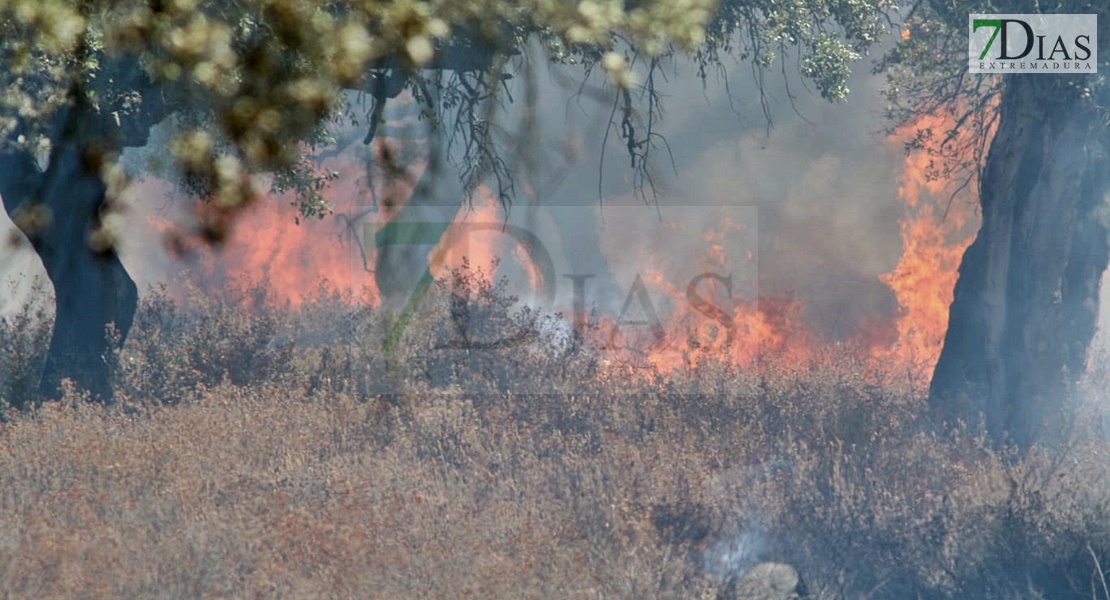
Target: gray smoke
(821,184)
(822,180)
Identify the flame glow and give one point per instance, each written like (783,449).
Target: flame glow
(670,321)
(934,237)
(936,229)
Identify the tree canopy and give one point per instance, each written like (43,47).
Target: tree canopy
(927,75)
(252,81)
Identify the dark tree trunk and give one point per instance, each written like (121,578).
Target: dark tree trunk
(1026,302)
(92,288)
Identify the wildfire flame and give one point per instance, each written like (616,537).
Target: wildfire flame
(934,237)
(695,320)
(477,239)
(936,229)
(696,315)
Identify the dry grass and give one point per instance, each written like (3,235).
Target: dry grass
(517,475)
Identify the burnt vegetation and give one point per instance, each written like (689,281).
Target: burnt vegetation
(256,451)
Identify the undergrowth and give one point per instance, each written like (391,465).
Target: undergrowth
(494,454)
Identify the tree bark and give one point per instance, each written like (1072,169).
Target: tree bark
(92,288)
(1026,303)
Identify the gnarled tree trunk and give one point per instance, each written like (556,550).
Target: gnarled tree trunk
(1026,303)
(92,287)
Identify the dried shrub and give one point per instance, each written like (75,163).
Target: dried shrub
(25,336)
(532,471)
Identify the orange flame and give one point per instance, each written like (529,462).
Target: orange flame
(292,255)
(695,322)
(482,248)
(706,319)
(937,228)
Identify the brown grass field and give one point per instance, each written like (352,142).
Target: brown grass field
(265,454)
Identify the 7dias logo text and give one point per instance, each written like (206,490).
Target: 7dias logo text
(1034,43)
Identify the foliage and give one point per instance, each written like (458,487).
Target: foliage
(249,83)
(927,76)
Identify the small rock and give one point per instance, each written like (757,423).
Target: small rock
(765,581)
